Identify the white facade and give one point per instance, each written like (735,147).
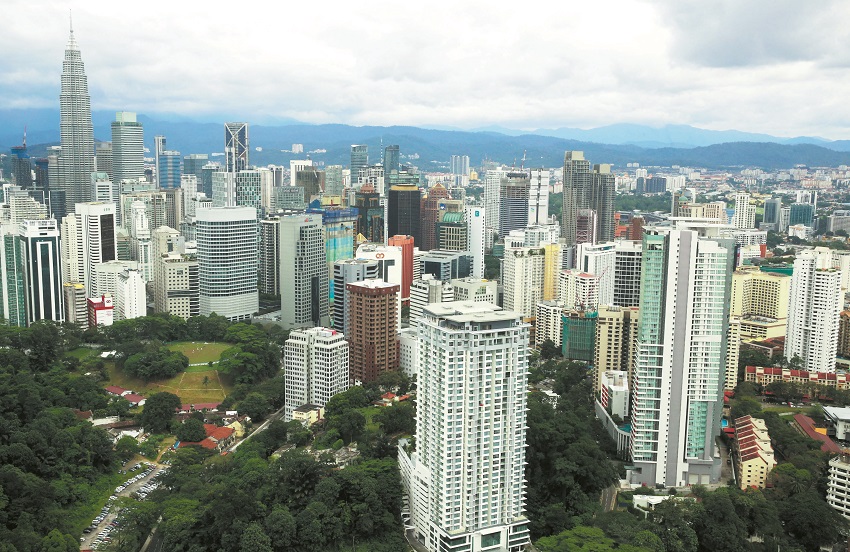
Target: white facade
(578,290)
(425,291)
(130,297)
(523,276)
(316,367)
(838,489)
(466,479)
(549,324)
(303,271)
(475,289)
(176,287)
(105,280)
(538,197)
(389,259)
(408,351)
(680,358)
(476,238)
(813,314)
(227,262)
(745,214)
(600,260)
(88,239)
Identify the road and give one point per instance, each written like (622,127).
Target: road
(609,498)
(88,539)
(274,416)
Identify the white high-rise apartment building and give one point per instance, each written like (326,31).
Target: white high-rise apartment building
(346,272)
(523,277)
(578,290)
(303,271)
(476,237)
(813,313)
(130,297)
(600,260)
(475,289)
(428,290)
(679,367)
(538,197)
(492,182)
(316,361)
(88,239)
(466,478)
(227,262)
(745,214)
(176,288)
(549,322)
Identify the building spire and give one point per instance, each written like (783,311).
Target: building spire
(72,42)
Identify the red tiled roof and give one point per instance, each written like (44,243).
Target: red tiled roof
(134,398)
(808,426)
(115,390)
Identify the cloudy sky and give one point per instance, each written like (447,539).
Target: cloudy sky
(774,66)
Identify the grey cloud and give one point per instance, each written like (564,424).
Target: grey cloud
(735,33)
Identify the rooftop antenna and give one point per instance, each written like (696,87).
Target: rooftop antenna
(25,136)
(71,20)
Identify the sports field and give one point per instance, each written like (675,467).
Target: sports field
(199,352)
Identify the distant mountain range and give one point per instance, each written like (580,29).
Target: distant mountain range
(615,144)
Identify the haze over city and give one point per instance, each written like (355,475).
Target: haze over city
(724,65)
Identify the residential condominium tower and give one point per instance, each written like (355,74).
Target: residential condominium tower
(814,311)
(586,189)
(466,476)
(681,351)
(316,361)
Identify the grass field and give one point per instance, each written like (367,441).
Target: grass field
(200,353)
(189,386)
(81,352)
(369,412)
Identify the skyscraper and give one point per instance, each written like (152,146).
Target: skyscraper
(372,320)
(538,196)
(460,171)
(169,163)
(316,361)
(680,363)
(403,212)
(13,300)
(42,270)
(359,160)
(587,189)
(513,202)
(88,239)
(236,146)
(745,214)
(815,308)
(466,478)
(21,165)
(391,159)
(430,207)
(76,160)
(128,148)
(227,261)
(346,272)
(303,271)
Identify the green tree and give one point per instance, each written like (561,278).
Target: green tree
(126,447)
(159,411)
(281,528)
(398,418)
(255,539)
(192,430)
(549,349)
(56,541)
(255,405)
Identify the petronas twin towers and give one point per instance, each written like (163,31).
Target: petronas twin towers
(76,162)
